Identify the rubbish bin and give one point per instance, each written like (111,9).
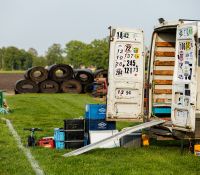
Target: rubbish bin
(131,140)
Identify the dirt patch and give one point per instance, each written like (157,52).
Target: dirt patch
(8,80)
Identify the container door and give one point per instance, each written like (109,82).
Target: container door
(184,89)
(126,74)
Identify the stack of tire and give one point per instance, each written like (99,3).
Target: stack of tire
(54,79)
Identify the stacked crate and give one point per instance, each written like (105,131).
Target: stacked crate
(74,133)
(95,119)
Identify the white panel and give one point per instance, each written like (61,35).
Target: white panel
(165,49)
(96,136)
(161,77)
(164,58)
(163,87)
(169,96)
(126,74)
(128,109)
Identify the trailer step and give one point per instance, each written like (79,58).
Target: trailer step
(165,44)
(114,137)
(164,63)
(162,82)
(164,54)
(162,91)
(163,72)
(161,100)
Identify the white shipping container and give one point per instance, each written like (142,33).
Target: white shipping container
(126,74)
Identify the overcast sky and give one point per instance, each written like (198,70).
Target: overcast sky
(40,23)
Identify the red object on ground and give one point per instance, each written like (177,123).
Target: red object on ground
(46,142)
(101,89)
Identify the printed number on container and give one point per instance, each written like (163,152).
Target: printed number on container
(124,93)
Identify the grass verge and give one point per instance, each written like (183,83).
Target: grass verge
(48,111)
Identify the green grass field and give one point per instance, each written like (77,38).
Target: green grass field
(48,111)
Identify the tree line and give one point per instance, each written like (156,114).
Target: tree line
(75,53)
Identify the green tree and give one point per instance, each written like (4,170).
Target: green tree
(14,59)
(25,60)
(10,58)
(54,54)
(99,53)
(93,54)
(33,52)
(77,53)
(39,61)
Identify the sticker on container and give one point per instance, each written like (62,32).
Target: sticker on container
(184,71)
(126,60)
(184,33)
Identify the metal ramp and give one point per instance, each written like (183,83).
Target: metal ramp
(116,136)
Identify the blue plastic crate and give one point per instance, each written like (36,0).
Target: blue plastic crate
(60,144)
(100,124)
(95,111)
(161,110)
(59,138)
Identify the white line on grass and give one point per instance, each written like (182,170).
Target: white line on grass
(27,152)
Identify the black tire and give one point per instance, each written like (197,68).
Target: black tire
(84,76)
(36,74)
(49,86)
(71,86)
(26,86)
(66,72)
(101,73)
